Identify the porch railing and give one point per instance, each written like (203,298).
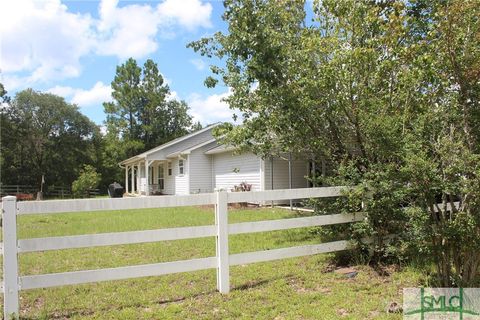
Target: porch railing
(155,188)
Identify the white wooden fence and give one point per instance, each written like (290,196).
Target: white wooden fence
(12,246)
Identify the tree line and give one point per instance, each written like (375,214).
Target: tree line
(45,137)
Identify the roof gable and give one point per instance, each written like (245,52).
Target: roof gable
(172,144)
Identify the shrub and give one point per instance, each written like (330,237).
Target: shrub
(88,179)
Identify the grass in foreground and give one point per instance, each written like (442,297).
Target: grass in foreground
(299,288)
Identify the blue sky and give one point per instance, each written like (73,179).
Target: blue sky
(71,48)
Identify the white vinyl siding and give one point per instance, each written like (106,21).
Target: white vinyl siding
(280,174)
(174,184)
(200,171)
(231,169)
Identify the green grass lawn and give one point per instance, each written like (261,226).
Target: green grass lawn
(298,288)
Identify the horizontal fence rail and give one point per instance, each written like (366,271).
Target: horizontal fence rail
(283,224)
(292,252)
(17,188)
(76,205)
(285,194)
(139,271)
(110,239)
(222,261)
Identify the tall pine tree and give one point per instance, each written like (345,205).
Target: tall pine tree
(142,116)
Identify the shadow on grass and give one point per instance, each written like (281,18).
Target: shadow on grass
(252,284)
(67,314)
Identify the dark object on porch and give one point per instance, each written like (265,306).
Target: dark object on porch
(115,190)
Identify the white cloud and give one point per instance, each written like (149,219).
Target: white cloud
(103,130)
(173,96)
(95,96)
(127,31)
(62,91)
(131,30)
(44,41)
(198,63)
(12,81)
(210,109)
(187,13)
(166,80)
(42,37)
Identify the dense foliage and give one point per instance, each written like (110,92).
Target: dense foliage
(387,93)
(42,134)
(88,179)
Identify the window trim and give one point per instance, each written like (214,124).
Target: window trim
(161,177)
(181,167)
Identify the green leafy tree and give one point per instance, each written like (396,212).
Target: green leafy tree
(442,151)
(3,94)
(5,124)
(43,135)
(153,93)
(386,93)
(87,180)
(196,126)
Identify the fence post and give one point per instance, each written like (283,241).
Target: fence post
(221,220)
(10,258)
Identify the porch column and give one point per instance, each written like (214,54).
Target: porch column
(147,184)
(139,174)
(126,178)
(132,178)
(155,176)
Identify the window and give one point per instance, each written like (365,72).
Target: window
(169,168)
(181,166)
(161,180)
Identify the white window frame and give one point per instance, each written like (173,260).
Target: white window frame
(181,167)
(161,177)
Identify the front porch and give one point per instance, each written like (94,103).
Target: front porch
(145,177)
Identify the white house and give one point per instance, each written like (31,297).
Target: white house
(196,163)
